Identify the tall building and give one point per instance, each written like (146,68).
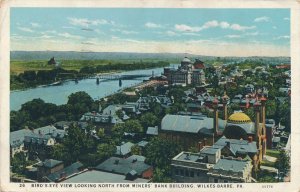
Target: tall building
(187,73)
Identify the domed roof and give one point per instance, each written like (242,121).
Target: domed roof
(185,60)
(239,118)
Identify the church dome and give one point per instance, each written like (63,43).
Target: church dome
(239,118)
(186,60)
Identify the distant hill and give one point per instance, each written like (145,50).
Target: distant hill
(73,55)
(67,55)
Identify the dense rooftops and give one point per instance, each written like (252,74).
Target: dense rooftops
(124,166)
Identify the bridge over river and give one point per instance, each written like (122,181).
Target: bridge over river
(121,77)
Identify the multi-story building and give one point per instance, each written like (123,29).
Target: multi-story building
(187,73)
(208,166)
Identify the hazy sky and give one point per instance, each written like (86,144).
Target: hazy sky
(219,32)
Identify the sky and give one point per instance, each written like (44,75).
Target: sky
(213,32)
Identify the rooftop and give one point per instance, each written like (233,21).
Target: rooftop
(50,163)
(95,176)
(124,149)
(190,124)
(231,165)
(67,171)
(123,166)
(236,146)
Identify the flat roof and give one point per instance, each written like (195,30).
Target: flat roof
(94,176)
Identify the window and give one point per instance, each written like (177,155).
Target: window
(176,172)
(192,173)
(186,173)
(181,172)
(198,174)
(216,181)
(225,181)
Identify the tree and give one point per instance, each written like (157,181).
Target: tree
(136,150)
(29,75)
(77,142)
(105,150)
(120,113)
(133,126)
(159,152)
(283,162)
(161,176)
(59,152)
(101,133)
(148,120)
(81,97)
(18,163)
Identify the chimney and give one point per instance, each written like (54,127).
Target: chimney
(216,115)
(250,139)
(228,144)
(204,142)
(200,146)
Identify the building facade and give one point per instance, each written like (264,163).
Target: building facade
(187,73)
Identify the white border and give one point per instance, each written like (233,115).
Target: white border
(5,5)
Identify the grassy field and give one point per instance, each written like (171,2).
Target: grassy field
(17,67)
(273,153)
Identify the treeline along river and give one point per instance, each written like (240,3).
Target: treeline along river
(59,94)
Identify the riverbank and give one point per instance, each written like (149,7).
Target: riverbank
(39,74)
(59,94)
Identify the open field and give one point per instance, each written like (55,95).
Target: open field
(19,66)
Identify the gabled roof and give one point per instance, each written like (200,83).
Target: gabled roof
(67,171)
(236,146)
(123,166)
(124,149)
(189,124)
(49,163)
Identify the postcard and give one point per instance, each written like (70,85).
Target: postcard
(156,95)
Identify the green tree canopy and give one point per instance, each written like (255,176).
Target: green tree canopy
(105,150)
(159,152)
(148,120)
(283,162)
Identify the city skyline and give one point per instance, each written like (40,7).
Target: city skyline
(215,32)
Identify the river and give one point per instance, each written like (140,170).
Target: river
(59,94)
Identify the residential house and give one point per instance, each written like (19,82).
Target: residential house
(132,167)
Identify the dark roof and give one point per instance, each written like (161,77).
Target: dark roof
(67,171)
(37,138)
(50,163)
(123,166)
(17,137)
(96,176)
(236,146)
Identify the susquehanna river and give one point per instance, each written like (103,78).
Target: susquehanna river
(59,94)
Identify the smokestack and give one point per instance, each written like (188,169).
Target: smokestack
(216,116)
(225,99)
(257,115)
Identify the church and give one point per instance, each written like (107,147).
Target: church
(238,130)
